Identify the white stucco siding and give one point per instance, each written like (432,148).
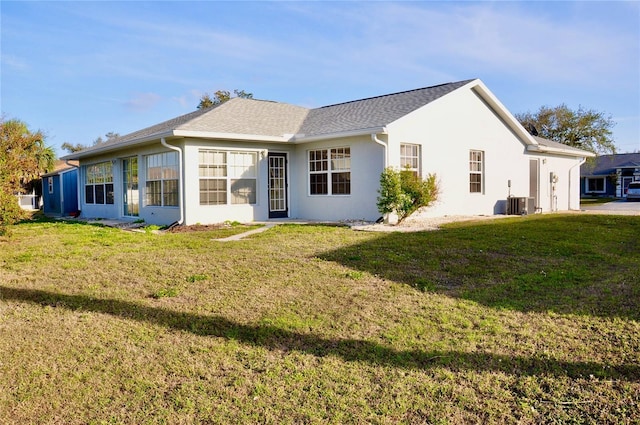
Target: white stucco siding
(447,130)
(366,166)
(208,214)
(563,194)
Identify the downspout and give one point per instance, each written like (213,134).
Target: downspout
(181,183)
(582,161)
(374,137)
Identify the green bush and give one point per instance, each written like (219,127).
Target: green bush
(402,192)
(10,212)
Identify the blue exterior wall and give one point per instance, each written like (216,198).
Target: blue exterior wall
(63,200)
(51,201)
(609,187)
(70,189)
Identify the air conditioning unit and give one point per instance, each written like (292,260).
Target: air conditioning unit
(520,205)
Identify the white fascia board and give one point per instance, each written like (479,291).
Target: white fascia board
(175,133)
(300,138)
(230,136)
(116,146)
(568,152)
(481,90)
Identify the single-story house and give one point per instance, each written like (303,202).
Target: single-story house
(609,175)
(60,189)
(252,160)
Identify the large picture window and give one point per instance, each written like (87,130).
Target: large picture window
(476,171)
(98,188)
(330,171)
(227,177)
(162,179)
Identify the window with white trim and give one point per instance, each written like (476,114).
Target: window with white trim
(476,171)
(595,184)
(410,158)
(98,188)
(330,171)
(50,184)
(161,188)
(227,177)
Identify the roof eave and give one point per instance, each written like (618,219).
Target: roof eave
(568,152)
(231,136)
(59,172)
(177,133)
(301,138)
(116,146)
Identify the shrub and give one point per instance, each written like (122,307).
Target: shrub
(10,212)
(403,192)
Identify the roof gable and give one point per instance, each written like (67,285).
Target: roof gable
(372,112)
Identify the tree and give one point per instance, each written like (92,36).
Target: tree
(71,148)
(582,128)
(221,96)
(403,192)
(23,157)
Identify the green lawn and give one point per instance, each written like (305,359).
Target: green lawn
(596,201)
(521,320)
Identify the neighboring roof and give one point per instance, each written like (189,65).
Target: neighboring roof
(253,119)
(557,147)
(61,167)
(608,164)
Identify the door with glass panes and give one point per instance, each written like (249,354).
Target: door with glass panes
(278,185)
(130,192)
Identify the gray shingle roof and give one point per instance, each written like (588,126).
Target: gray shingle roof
(267,118)
(372,112)
(249,116)
(607,164)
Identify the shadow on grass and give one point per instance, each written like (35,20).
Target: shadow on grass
(351,350)
(568,264)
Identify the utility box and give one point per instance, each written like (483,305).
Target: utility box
(520,205)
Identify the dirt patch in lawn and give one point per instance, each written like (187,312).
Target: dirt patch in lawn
(199,228)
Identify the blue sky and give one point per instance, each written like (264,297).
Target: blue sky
(77,70)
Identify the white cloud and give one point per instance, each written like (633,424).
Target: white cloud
(143,101)
(503,38)
(15,62)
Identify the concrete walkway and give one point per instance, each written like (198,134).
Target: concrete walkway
(240,236)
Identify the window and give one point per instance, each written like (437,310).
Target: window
(98,187)
(476,169)
(595,185)
(410,158)
(330,171)
(227,177)
(50,184)
(162,180)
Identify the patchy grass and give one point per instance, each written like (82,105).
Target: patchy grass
(523,320)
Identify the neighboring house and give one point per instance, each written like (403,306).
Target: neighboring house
(60,189)
(610,175)
(248,160)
